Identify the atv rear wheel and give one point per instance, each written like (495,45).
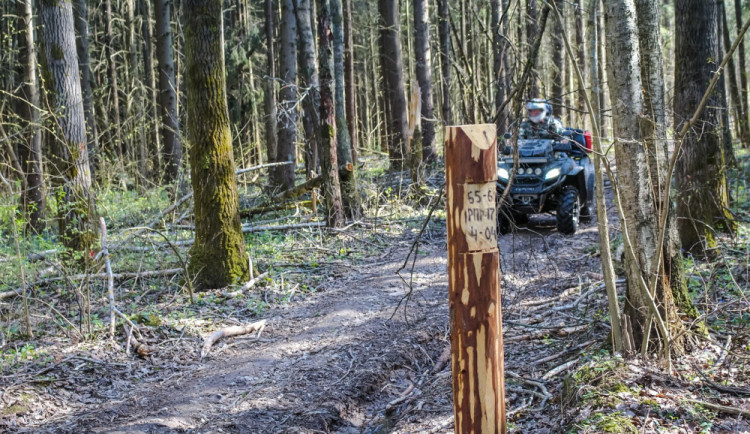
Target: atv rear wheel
(587,211)
(520,218)
(568,211)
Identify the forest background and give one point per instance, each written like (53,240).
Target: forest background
(151,148)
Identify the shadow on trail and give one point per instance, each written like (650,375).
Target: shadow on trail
(332,361)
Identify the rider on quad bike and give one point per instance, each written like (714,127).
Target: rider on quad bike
(553,172)
(540,124)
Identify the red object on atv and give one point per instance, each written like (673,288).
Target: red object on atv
(587,136)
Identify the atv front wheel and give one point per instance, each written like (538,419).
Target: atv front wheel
(504,221)
(568,211)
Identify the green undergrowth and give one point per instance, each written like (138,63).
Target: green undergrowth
(599,386)
(68,302)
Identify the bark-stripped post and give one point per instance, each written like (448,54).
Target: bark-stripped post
(474,275)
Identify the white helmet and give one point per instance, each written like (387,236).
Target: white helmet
(537,104)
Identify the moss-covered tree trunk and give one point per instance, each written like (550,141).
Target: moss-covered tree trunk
(70,158)
(328,158)
(700,175)
(217,258)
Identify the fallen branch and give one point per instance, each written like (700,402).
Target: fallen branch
(250,229)
(141,349)
(721,408)
(229,332)
(261,166)
(264,209)
(245,229)
(116,276)
(562,295)
(560,332)
(154,221)
(33,257)
(563,353)
(559,369)
(284,195)
(250,283)
(538,384)
(8,294)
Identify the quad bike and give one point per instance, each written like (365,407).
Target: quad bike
(552,176)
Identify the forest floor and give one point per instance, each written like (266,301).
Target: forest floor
(345,350)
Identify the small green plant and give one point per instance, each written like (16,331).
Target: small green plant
(615,422)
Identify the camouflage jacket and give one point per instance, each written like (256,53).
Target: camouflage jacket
(551,128)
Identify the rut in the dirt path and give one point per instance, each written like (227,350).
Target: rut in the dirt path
(332,362)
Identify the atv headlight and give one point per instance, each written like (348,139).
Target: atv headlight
(553,173)
(538,172)
(502,173)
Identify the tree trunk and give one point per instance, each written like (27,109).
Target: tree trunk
(26,105)
(217,258)
(328,160)
(283,176)
(654,125)
(134,97)
(700,174)
(636,197)
(347,179)
(532,14)
(581,48)
(170,127)
(444,36)
(721,86)
(424,76)
(742,69)
(70,160)
(269,97)
(81,11)
(351,105)
(393,72)
(152,108)
(603,120)
(734,90)
(112,78)
(558,62)
(602,219)
(309,80)
(499,71)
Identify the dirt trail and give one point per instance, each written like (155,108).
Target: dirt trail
(339,360)
(331,362)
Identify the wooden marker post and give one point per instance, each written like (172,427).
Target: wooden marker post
(474,280)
